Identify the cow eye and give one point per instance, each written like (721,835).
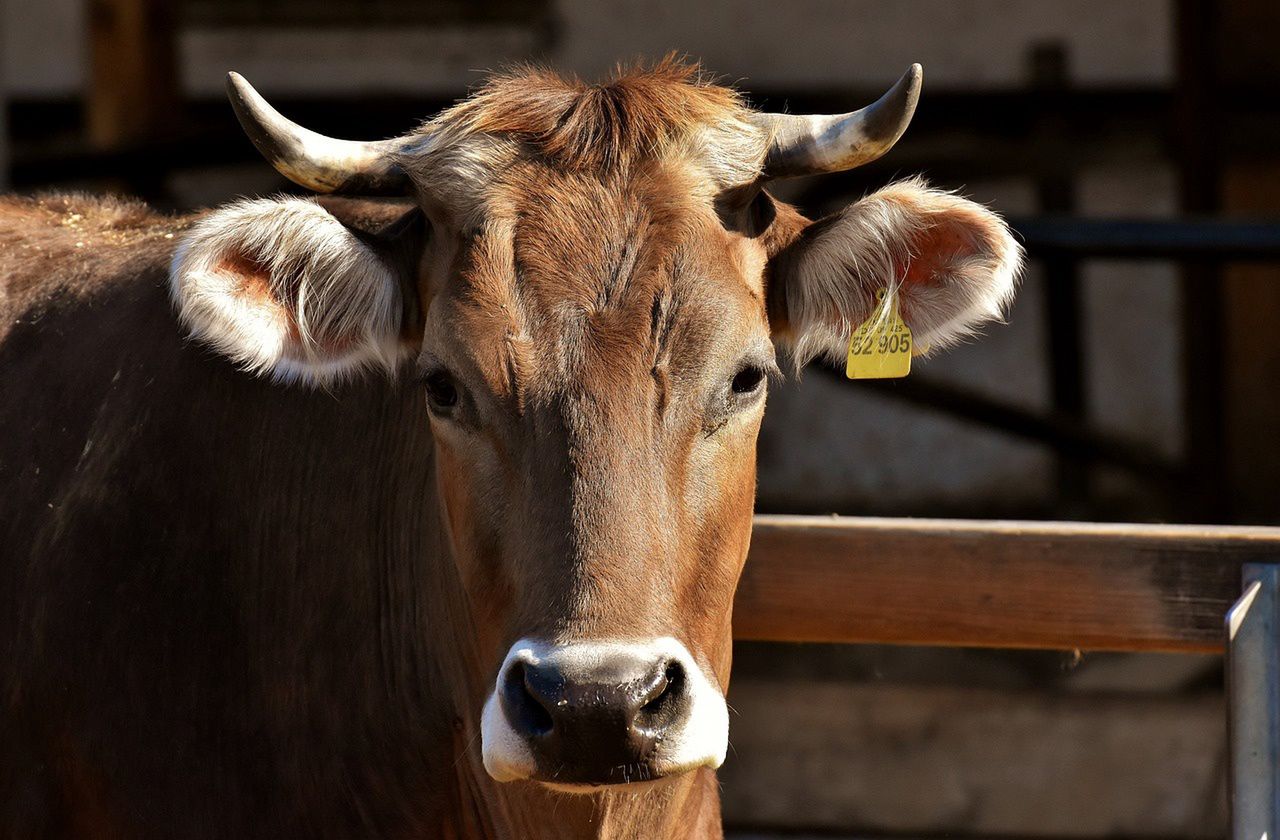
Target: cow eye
(442,393)
(748,380)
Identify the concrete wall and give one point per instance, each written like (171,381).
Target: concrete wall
(800,44)
(43,47)
(941,761)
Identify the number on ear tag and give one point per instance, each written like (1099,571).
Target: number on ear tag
(881,347)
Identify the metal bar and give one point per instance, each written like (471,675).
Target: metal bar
(1067,355)
(1201,166)
(1143,239)
(1064,317)
(1253,704)
(1207,496)
(1063,307)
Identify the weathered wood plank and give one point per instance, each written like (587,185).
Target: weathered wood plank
(995,584)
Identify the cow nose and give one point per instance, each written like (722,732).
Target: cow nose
(600,724)
(583,713)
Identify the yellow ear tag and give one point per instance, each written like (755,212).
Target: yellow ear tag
(881,347)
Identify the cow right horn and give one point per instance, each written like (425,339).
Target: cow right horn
(312,160)
(813,144)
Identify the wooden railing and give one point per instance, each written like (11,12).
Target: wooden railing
(995,584)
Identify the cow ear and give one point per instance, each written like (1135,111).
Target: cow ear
(951,265)
(285,288)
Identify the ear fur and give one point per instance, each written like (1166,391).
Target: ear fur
(282,287)
(950,264)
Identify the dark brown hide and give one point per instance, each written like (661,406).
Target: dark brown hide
(225,611)
(215,589)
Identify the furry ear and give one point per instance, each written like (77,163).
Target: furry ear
(282,287)
(951,264)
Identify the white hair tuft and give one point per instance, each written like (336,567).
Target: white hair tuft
(282,287)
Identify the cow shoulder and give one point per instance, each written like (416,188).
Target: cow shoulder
(55,247)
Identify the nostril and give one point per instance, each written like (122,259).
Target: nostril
(526,704)
(665,690)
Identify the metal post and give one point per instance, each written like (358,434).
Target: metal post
(1064,296)
(1198,101)
(1253,705)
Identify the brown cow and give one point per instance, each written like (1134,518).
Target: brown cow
(491,598)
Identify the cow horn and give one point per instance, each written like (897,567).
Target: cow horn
(311,160)
(817,143)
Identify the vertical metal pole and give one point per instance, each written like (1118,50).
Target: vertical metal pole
(1207,494)
(1253,705)
(1064,298)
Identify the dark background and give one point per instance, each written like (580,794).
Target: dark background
(1134,145)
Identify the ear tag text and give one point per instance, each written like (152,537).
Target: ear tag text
(881,347)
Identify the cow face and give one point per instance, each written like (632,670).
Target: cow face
(590,292)
(595,365)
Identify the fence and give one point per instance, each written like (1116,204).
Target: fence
(1086,586)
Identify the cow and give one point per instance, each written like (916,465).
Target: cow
(414,506)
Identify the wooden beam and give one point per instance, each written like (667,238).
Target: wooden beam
(4,112)
(133,79)
(1250,184)
(1054,585)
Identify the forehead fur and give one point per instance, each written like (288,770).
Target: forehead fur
(640,113)
(596,284)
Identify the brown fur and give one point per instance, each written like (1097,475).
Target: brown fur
(596,128)
(54,243)
(239,609)
(296,688)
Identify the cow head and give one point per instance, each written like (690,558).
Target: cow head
(590,288)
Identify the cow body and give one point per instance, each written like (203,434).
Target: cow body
(169,509)
(484,594)
(228,610)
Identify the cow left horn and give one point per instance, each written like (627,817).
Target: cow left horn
(813,144)
(312,160)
